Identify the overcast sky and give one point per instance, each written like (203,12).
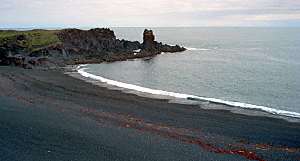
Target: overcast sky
(110,13)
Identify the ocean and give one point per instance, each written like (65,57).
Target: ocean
(254,68)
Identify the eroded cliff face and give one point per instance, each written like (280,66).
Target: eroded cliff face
(80,46)
(96,40)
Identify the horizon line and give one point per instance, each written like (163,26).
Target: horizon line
(86,27)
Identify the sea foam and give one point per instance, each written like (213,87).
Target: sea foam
(273,111)
(197,49)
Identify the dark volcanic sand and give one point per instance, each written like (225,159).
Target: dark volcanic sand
(49,116)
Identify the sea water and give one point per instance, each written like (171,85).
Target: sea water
(256,68)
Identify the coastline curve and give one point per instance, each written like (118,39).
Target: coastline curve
(81,69)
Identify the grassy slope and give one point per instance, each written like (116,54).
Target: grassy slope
(35,38)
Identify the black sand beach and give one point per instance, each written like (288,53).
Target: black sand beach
(50,116)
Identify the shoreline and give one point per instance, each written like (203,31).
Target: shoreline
(59,117)
(234,107)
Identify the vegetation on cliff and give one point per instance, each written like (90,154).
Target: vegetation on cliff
(31,40)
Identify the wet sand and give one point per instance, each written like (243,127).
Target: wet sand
(47,115)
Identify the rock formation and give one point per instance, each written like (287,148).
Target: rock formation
(79,46)
(150,45)
(95,40)
(13,50)
(148,40)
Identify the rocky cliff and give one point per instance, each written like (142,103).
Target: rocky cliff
(74,46)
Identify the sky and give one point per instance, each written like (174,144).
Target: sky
(148,13)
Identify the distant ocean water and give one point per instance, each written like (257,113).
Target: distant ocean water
(245,67)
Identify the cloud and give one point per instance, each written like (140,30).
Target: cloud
(147,12)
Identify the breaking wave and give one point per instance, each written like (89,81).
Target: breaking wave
(197,49)
(81,71)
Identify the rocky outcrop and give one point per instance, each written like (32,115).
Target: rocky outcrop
(150,45)
(80,46)
(16,50)
(13,50)
(96,40)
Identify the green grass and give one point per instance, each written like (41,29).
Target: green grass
(35,38)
